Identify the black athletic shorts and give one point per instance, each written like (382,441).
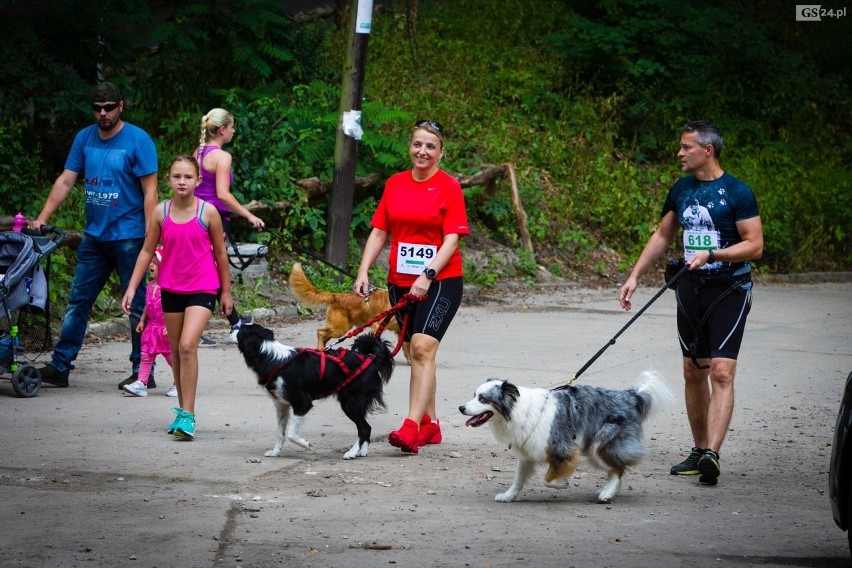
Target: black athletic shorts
(721,333)
(433,315)
(173,302)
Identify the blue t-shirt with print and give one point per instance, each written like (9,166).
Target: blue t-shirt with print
(715,205)
(115,205)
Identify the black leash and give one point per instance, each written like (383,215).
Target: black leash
(667,285)
(310,253)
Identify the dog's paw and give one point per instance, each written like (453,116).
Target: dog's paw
(300,442)
(357,451)
(557,484)
(506,497)
(274,452)
(609,490)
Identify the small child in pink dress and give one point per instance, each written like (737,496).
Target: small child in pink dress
(152,326)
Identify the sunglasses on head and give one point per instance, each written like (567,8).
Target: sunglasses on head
(430,123)
(108,107)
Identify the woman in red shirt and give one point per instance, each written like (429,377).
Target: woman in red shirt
(423,211)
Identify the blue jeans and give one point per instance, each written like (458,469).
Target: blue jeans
(96,260)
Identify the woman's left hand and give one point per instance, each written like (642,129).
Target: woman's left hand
(420,286)
(257,223)
(226,301)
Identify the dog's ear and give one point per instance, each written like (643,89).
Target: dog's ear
(506,396)
(262,332)
(509,390)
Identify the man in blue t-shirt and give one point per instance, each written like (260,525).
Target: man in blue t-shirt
(720,223)
(118,165)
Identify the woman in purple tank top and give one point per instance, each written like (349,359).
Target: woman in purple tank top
(217,129)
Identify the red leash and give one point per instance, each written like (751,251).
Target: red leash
(386,316)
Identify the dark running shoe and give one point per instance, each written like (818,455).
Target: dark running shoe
(709,468)
(131,379)
(53,376)
(152,384)
(689,466)
(206,342)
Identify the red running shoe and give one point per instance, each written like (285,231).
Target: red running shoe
(430,432)
(406,437)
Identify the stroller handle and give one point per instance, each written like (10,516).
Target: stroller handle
(46,239)
(58,235)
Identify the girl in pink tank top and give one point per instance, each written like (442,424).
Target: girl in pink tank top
(194,269)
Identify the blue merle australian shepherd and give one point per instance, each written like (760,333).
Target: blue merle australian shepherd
(556,427)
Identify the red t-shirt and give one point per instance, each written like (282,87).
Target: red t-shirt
(417,215)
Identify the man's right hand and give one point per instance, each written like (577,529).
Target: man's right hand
(626,293)
(36,224)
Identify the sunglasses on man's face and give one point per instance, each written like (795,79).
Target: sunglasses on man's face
(107,107)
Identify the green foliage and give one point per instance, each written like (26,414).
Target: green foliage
(248,295)
(804,209)
(527,265)
(586,99)
(487,276)
(20,173)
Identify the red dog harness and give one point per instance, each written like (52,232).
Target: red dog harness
(324,355)
(337,359)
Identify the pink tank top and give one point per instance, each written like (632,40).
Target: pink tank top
(188,265)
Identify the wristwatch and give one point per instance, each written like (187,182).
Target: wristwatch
(430,273)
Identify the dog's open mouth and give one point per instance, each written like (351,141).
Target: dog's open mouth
(479,419)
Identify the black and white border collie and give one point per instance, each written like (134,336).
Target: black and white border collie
(294,378)
(556,427)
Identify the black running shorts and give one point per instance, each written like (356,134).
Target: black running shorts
(173,303)
(433,315)
(721,332)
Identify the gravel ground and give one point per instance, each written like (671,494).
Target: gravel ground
(89,477)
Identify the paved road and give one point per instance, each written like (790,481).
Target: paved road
(89,478)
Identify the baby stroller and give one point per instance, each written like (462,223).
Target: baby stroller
(23,287)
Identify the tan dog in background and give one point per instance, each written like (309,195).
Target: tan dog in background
(345,310)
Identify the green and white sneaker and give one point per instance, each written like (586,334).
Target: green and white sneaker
(174,424)
(708,467)
(689,466)
(185,429)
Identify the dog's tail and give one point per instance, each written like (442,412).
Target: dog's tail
(306,293)
(652,393)
(369,344)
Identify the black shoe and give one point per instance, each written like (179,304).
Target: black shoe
(53,376)
(131,379)
(152,384)
(709,468)
(689,466)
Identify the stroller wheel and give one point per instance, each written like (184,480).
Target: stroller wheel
(26,381)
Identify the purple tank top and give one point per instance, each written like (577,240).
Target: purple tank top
(206,190)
